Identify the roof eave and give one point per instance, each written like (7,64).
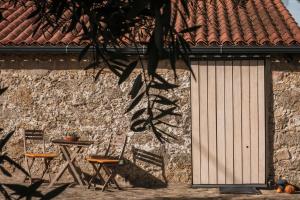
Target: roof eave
(216,50)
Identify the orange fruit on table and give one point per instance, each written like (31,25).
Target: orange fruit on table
(279,190)
(290,189)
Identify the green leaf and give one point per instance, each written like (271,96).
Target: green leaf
(185,6)
(75,19)
(138,7)
(83,52)
(190,29)
(1,17)
(135,102)
(137,85)
(185,54)
(127,72)
(158,32)
(36,28)
(91,66)
(34,13)
(153,56)
(185,45)
(117,55)
(173,54)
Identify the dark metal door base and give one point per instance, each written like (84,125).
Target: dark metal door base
(238,190)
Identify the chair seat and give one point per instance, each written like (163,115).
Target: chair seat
(41,155)
(95,156)
(102,160)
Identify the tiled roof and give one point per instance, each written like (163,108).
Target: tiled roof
(260,22)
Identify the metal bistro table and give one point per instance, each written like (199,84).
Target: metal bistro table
(70,158)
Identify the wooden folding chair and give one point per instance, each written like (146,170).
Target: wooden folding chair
(29,137)
(109,162)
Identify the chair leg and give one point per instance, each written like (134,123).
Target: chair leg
(29,166)
(46,168)
(113,180)
(98,173)
(116,183)
(107,182)
(93,175)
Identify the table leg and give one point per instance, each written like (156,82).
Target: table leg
(70,158)
(65,165)
(59,174)
(67,155)
(76,167)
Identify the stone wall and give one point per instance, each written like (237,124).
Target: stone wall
(44,95)
(285,125)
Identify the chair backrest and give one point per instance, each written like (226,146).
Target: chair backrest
(117,145)
(34,135)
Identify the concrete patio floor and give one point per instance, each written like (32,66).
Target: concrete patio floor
(173,191)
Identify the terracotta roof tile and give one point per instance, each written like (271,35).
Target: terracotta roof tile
(260,22)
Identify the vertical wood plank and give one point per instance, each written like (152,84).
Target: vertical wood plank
(220,97)
(211,85)
(246,140)
(254,121)
(229,122)
(203,122)
(237,123)
(195,124)
(261,122)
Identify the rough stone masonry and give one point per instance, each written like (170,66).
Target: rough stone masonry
(284,126)
(44,95)
(53,93)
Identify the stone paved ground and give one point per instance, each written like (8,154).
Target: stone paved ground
(173,192)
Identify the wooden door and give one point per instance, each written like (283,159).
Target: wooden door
(228,122)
